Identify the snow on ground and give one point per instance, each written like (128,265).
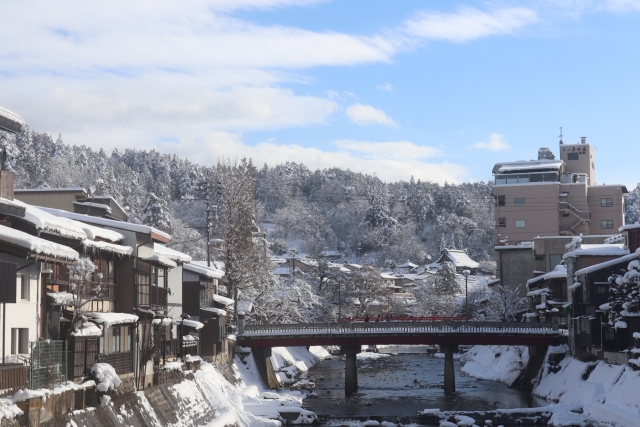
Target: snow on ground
(607,394)
(261,402)
(495,362)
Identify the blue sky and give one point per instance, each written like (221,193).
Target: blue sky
(440,90)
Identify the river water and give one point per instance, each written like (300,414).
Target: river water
(401,380)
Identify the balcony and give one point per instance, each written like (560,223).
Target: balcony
(153,297)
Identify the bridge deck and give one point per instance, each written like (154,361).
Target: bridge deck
(371,333)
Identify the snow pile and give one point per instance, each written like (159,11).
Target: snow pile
(9,409)
(287,362)
(495,362)
(106,375)
(62,298)
(37,245)
(605,393)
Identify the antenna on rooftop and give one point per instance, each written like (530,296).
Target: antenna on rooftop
(560,135)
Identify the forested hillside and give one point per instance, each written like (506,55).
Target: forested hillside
(324,209)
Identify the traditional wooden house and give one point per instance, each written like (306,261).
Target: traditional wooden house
(594,337)
(460,260)
(203,303)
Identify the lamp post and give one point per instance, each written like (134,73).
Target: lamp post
(466,293)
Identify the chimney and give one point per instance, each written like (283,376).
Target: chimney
(583,140)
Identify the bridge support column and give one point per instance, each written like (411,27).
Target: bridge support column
(351,369)
(449,372)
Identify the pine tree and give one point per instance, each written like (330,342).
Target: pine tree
(155,214)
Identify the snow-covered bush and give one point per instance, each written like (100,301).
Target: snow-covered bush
(106,377)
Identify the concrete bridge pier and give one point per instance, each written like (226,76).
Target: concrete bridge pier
(449,372)
(351,369)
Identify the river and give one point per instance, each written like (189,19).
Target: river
(398,382)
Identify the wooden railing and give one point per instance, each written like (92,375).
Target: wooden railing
(122,362)
(402,327)
(13,377)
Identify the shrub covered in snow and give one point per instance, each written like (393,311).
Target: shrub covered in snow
(106,377)
(624,295)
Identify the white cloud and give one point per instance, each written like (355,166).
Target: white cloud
(620,5)
(386,87)
(495,142)
(469,23)
(397,150)
(367,115)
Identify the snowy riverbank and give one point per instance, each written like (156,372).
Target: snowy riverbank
(578,393)
(203,398)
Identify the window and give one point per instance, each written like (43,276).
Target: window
(23,281)
(159,276)
(607,203)
(203,298)
(19,340)
(607,223)
(116,339)
(518,201)
(143,288)
(502,222)
(501,201)
(520,223)
(554,260)
(572,156)
(601,289)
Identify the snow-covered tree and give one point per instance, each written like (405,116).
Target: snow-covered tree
(503,305)
(624,294)
(155,213)
(632,206)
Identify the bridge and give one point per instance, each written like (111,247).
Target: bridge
(351,336)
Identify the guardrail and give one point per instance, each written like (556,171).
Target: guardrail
(401,327)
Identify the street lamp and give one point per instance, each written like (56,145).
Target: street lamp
(466,293)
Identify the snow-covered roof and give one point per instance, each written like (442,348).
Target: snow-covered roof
(606,264)
(558,273)
(192,323)
(172,254)
(203,270)
(36,245)
(166,262)
(94,205)
(408,264)
(45,221)
(530,165)
(597,250)
(459,258)
(215,311)
(4,113)
(87,329)
(137,228)
(387,276)
(109,319)
(282,271)
(107,247)
(222,300)
(629,227)
(538,292)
